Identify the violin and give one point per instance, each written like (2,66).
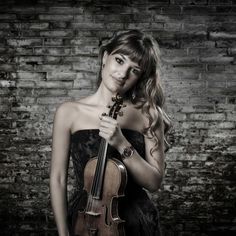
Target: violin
(105,179)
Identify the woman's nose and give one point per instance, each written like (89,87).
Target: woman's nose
(123,73)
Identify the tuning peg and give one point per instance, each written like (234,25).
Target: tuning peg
(104,114)
(108,106)
(118,97)
(120,113)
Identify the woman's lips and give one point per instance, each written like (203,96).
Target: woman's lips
(119,81)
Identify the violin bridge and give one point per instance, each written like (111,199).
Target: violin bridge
(91,213)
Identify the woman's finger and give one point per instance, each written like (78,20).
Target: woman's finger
(108,119)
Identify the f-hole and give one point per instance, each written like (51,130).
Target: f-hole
(107,217)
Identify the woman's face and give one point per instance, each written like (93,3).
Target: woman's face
(119,73)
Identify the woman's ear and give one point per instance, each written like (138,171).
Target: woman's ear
(104,58)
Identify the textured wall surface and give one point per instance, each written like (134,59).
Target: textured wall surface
(48,54)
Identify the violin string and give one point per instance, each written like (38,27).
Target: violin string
(102,156)
(99,166)
(96,171)
(95,179)
(101,161)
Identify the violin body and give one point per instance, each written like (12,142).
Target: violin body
(105,180)
(100,217)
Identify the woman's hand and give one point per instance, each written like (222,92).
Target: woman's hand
(110,130)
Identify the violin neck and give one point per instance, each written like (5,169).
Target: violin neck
(96,190)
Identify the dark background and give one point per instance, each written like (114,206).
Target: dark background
(48,54)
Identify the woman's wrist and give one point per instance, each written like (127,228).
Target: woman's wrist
(122,146)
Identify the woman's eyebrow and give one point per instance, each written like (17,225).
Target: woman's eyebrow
(122,56)
(137,67)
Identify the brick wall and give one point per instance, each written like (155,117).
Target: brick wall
(48,54)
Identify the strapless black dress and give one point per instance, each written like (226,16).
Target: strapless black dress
(140,214)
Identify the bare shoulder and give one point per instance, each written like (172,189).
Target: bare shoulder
(66,113)
(80,114)
(71,108)
(67,109)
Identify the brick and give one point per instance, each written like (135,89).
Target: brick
(30,59)
(34,76)
(5,33)
(223,134)
(54,84)
(138,26)
(56,33)
(4,26)
(25,84)
(215,76)
(82,41)
(83,84)
(229,10)
(114,26)
(214,116)
(171,26)
(213,84)
(57,51)
(53,41)
(222,35)
(172,10)
(193,2)
(221,91)
(219,2)
(80,18)
(198,10)
(7,83)
(61,76)
(225,44)
(59,25)
(216,68)
(24,42)
(7,16)
(84,63)
(232,51)
(225,26)
(50,92)
(78,93)
(220,60)
(55,68)
(51,100)
(55,17)
(85,50)
(23,51)
(39,26)
(53,59)
(85,25)
(66,10)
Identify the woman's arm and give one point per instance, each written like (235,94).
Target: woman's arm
(147,172)
(59,167)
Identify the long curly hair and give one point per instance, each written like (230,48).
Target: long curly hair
(147,94)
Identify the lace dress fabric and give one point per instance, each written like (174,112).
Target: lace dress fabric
(140,215)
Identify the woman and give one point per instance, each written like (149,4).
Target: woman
(129,66)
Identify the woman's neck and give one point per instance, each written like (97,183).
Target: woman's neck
(104,96)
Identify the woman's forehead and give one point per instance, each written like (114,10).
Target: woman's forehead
(133,56)
(127,58)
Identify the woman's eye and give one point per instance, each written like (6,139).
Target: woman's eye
(120,61)
(136,72)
